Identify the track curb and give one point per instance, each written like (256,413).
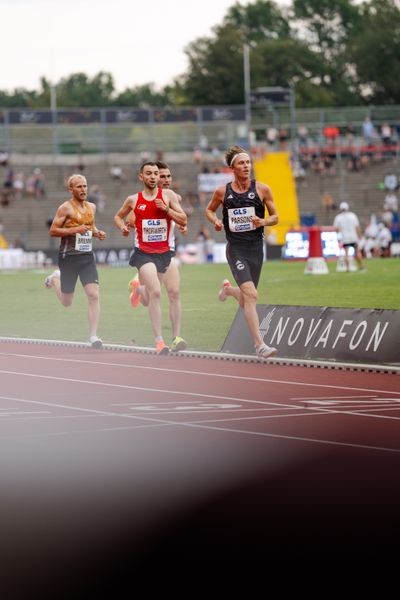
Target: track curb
(372,368)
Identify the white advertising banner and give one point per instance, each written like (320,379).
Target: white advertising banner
(208,182)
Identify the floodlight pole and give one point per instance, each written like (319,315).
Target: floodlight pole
(53,104)
(246,71)
(292,115)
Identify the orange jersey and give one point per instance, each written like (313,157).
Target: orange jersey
(68,243)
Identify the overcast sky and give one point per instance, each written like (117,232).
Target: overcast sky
(137,42)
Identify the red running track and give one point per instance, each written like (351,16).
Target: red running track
(127,454)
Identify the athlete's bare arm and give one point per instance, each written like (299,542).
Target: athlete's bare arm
(182,228)
(265,194)
(126,209)
(57,228)
(171,205)
(99,233)
(211,211)
(130,219)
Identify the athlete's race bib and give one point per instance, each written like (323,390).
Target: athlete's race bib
(240,219)
(154,230)
(83,242)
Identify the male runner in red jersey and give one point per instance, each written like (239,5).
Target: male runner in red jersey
(153,209)
(171,278)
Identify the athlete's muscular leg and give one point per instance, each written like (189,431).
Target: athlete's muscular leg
(142,293)
(234,292)
(152,281)
(65,299)
(172,281)
(92,293)
(249,303)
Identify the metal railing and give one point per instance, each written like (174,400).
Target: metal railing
(138,130)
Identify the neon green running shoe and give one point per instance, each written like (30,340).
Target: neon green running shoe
(178,344)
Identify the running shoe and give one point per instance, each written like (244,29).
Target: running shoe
(130,284)
(48,282)
(178,344)
(162,348)
(95,342)
(265,351)
(134,298)
(222,296)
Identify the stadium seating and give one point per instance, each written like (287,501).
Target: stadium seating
(27,218)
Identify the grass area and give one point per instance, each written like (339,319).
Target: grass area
(29,310)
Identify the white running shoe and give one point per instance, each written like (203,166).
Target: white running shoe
(48,282)
(222,295)
(95,342)
(265,351)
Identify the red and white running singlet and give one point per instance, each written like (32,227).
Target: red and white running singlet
(152,225)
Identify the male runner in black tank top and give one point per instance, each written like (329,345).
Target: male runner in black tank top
(243,208)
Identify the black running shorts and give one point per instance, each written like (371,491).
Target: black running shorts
(77,265)
(140,258)
(245,261)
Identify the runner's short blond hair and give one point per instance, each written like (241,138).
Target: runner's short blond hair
(71,178)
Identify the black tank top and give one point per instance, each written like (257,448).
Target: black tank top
(237,211)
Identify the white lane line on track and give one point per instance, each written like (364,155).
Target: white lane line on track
(178,392)
(186,393)
(362,413)
(164,422)
(327,398)
(201,373)
(317,412)
(197,405)
(90,411)
(50,434)
(23,413)
(146,389)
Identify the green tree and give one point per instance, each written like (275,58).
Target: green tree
(291,63)
(326,26)
(259,21)
(19,98)
(216,71)
(78,90)
(326,23)
(312,63)
(375,52)
(331,52)
(215,74)
(141,96)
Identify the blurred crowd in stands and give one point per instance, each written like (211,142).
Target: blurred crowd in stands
(353,148)
(383,226)
(358,147)
(16,184)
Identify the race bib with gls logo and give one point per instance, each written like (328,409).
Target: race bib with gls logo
(83,242)
(240,219)
(154,230)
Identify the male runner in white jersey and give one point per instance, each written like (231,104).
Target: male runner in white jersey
(243,205)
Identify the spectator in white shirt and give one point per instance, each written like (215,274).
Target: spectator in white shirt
(348,227)
(384,239)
